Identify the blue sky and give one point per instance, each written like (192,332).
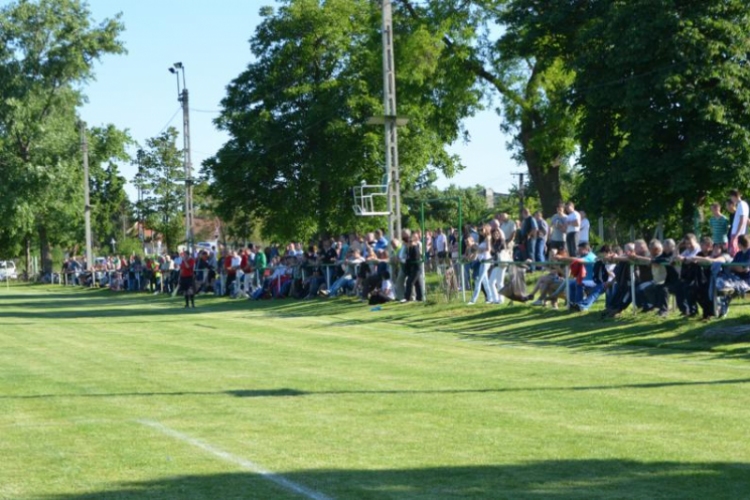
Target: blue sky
(135,91)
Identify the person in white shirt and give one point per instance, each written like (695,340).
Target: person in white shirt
(572,228)
(441,246)
(484,256)
(385,293)
(508,227)
(583,236)
(739,223)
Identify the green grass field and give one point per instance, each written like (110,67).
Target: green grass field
(131,397)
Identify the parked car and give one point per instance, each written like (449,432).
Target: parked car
(206,245)
(8,270)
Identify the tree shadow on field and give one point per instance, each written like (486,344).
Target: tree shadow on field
(642,334)
(286,392)
(546,479)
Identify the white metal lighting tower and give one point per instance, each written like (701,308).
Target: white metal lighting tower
(391,125)
(182,97)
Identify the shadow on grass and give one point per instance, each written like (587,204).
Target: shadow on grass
(287,392)
(642,335)
(547,479)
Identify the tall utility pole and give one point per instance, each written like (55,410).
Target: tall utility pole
(139,187)
(86,200)
(182,97)
(521,193)
(391,125)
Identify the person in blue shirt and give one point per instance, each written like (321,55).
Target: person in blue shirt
(581,267)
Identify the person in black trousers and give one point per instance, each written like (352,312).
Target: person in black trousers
(414,268)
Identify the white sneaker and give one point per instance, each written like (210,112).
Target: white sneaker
(537,303)
(470,303)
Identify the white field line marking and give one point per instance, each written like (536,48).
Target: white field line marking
(244,463)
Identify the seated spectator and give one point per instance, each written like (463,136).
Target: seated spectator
(595,285)
(347,281)
(378,262)
(385,293)
(582,266)
(711,254)
(735,280)
(685,290)
(656,293)
(551,286)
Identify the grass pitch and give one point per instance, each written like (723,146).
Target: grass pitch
(130,397)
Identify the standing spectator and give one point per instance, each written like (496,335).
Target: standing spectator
(508,227)
(260,265)
(414,269)
(402,269)
(497,275)
(557,227)
(731,209)
(441,246)
(739,224)
(572,228)
(585,228)
(484,257)
(542,231)
(528,235)
(719,225)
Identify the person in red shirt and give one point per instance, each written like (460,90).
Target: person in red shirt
(187,279)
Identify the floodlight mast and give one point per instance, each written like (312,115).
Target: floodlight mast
(182,97)
(391,127)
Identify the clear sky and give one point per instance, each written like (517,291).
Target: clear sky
(135,91)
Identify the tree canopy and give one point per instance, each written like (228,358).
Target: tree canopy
(47,52)
(663,92)
(297,116)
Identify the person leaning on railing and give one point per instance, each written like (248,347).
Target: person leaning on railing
(686,292)
(711,254)
(550,286)
(581,266)
(595,284)
(656,293)
(733,280)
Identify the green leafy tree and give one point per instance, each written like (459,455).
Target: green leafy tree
(47,52)
(110,207)
(487,40)
(441,206)
(163,180)
(297,117)
(663,89)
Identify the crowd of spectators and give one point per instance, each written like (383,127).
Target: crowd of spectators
(378,270)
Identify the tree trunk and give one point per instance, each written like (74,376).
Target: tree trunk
(44,250)
(324,202)
(546,178)
(28,257)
